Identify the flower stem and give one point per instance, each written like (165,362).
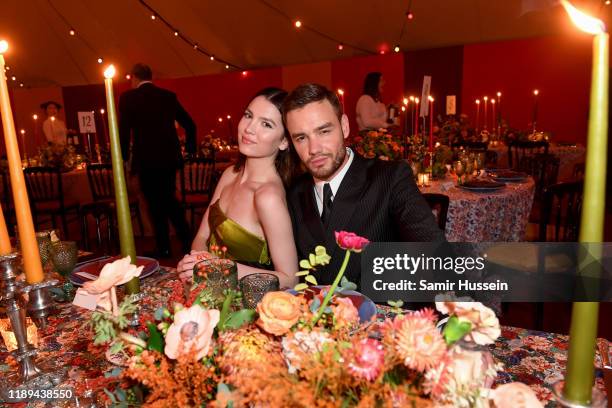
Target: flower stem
(332,289)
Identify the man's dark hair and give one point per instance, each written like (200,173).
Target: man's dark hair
(142,72)
(370,85)
(309,93)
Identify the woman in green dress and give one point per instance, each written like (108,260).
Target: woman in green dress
(248,213)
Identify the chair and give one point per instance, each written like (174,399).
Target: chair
(101,184)
(561,209)
(439,206)
(44,186)
(579,169)
(519,149)
(197,183)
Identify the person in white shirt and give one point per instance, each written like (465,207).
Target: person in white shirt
(371,112)
(54,128)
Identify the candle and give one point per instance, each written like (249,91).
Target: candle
(499,113)
(416,116)
(477,114)
(29,246)
(5,241)
(341,94)
(579,377)
(535,108)
(124,219)
(431,115)
(486,99)
(104,132)
(23,143)
(493,115)
(412,115)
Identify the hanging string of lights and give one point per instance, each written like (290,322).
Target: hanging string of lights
(155,16)
(409,17)
(301,26)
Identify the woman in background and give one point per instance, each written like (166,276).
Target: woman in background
(371,111)
(53,127)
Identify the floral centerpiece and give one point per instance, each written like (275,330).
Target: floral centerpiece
(57,155)
(306,348)
(383,144)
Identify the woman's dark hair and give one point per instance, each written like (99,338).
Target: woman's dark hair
(285,159)
(370,85)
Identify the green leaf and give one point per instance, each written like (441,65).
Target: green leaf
(305,264)
(111,396)
(300,286)
(320,250)
(229,298)
(116,347)
(240,318)
(311,279)
(455,330)
(155,342)
(322,259)
(312,259)
(302,273)
(346,284)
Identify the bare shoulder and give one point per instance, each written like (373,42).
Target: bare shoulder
(229,174)
(270,195)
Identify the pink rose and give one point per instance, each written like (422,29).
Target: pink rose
(350,241)
(345,312)
(515,394)
(485,325)
(191,330)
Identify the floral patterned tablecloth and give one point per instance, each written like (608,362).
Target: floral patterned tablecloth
(485,217)
(535,358)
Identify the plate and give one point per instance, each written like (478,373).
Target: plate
(91,270)
(365,307)
(482,185)
(509,175)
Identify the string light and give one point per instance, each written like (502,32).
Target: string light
(397,48)
(21,84)
(14,78)
(212,57)
(102,111)
(153,17)
(220,119)
(229,117)
(226,66)
(297,24)
(607,2)
(195,46)
(176,33)
(340,47)
(100,60)
(409,15)
(244,73)
(72,32)
(128,76)
(7,68)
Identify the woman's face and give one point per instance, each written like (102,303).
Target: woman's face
(51,110)
(381,84)
(260,131)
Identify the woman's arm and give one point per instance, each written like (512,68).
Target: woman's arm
(274,217)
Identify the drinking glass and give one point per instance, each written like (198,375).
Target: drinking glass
(64,256)
(255,286)
(218,273)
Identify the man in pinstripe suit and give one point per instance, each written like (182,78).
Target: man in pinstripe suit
(342,191)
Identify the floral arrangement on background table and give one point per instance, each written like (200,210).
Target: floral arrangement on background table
(306,348)
(384,144)
(57,155)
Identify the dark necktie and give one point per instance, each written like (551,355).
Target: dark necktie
(327,203)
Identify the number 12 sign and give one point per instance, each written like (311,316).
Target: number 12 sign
(87,123)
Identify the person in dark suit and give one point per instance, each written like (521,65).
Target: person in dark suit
(375,199)
(147,116)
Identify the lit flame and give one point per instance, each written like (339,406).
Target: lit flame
(35,117)
(22,132)
(405,101)
(486,98)
(582,20)
(412,98)
(340,91)
(493,101)
(536,92)
(102,111)
(431,99)
(416,100)
(109,72)
(403,109)
(477,101)
(52,118)
(499,94)
(3,46)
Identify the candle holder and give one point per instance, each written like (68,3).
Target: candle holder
(31,375)
(598,399)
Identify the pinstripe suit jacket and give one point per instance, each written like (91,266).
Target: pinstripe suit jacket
(377,200)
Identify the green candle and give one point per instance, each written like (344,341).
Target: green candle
(124,218)
(579,377)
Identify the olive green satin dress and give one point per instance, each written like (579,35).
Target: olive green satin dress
(242,245)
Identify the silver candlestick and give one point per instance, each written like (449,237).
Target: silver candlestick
(11,299)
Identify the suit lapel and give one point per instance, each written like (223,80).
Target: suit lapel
(346,200)
(312,218)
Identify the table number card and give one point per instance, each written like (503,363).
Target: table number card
(451,104)
(424,111)
(87,122)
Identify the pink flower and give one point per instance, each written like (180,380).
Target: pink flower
(113,274)
(515,394)
(345,312)
(350,241)
(192,329)
(417,341)
(367,360)
(485,325)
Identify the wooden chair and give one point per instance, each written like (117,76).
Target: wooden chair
(103,207)
(439,206)
(517,150)
(561,209)
(543,167)
(44,186)
(579,169)
(197,185)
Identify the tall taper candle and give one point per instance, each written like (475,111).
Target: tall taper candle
(124,219)
(477,114)
(579,378)
(5,241)
(431,115)
(27,237)
(486,108)
(416,116)
(535,109)
(493,127)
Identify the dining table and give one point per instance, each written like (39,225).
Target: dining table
(535,358)
(485,216)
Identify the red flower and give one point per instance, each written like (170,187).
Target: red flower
(350,241)
(368,359)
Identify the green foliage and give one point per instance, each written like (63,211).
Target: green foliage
(455,330)
(106,326)
(155,341)
(238,319)
(396,306)
(319,258)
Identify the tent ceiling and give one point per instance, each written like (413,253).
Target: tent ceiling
(248,33)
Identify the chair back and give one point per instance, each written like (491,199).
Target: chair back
(519,149)
(544,168)
(562,208)
(439,206)
(197,177)
(101,184)
(579,171)
(44,184)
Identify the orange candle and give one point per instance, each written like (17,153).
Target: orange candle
(29,247)
(5,241)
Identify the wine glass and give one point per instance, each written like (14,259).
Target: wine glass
(459,170)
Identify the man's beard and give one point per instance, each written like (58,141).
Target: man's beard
(324,173)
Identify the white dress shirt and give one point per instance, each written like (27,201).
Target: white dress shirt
(334,183)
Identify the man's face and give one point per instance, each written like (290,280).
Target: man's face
(318,137)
